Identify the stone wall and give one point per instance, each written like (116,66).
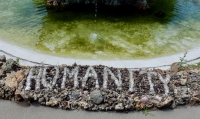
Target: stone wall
(98,87)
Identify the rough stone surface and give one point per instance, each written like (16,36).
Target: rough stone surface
(9,65)
(144,99)
(119,107)
(76,95)
(2,58)
(96,96)
(175,67)
(182,87)
(11,80)
(1,63)
(183,81)
(20,75)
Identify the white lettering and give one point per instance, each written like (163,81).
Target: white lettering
(73,73)
(131,83)
(51,83)
(118,82)
(149,74)
(165,82)
(36,78)
(90,73)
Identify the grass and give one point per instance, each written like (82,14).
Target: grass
(146,112)
(194,66)
(182,61)
(17,60)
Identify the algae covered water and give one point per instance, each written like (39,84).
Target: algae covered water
(118,33)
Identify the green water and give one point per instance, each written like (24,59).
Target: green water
(116,34)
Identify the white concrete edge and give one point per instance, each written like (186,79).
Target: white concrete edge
(13,51)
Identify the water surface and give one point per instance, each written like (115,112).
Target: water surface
(118,33)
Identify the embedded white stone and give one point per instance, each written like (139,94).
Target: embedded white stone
(131,82)
(44,77)
(149,74)
(118,82)
(73,73)
(90,73)
(51,83)
(36,78)
(165,82)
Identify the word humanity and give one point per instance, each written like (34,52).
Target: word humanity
(98,87)
(40,78)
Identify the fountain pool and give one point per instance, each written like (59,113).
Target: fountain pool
(116,34)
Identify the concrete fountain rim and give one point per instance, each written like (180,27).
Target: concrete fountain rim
(31,58)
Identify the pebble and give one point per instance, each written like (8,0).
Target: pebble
(144,99)
(52,102)
(158,98)
(183,81)
(119,107)
(96,96)
(75,95)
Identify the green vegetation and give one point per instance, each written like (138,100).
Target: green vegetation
(17,60)
(146,112)
(194,66)
(182,61)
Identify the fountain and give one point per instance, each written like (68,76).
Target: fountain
(123,32)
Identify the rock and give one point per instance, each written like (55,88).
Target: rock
(183,81)
(50,1)
(194,100)
(139,106)
(75,95)
(1,63)
(19,75)
(136,99)
(64,105)
(2,82)
(158,98)
(41,99)
(182,73)
(18,96)
(195,71)
(55,3)
(119,107)
(175,67)
(85,92)
(53,101)
(168,101)
(9,65)
(83,104)
(2,58)
(96,97)
(144,99)
(149,105)
(11,80)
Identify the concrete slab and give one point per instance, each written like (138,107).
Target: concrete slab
(33,58)
(13,110)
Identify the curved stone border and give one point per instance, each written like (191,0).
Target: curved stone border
(98,87)
(34,58)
